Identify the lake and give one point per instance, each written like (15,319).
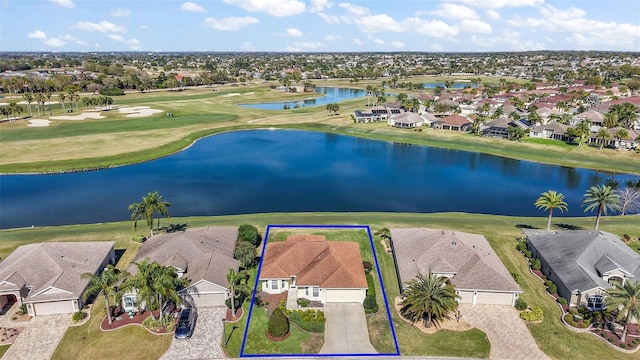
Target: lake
(330,95)
(287,170)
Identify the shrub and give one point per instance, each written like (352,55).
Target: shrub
(514,276)
(22,309)
(78,316)
(314,325)
(532,315)
(535,264)
(138,238)
(238,303)
(573,311)
(568,318)
(112,92)
(527,253)
(278,325)
(167,322)
(521,304)
(521,246)
(303,302)
(584,324)
(367,266)
(370,304)
(371,285)
(250,234)
(562,301)
(551,287)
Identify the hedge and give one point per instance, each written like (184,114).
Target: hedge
(316,326)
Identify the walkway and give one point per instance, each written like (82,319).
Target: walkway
(40,337)
(206,339)
(507,333)
(346,330)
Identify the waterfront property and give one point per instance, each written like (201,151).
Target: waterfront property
(47,277)
(310,267)
(453,123)
(201,255)
(583,264)
(467,260)
(408,120)
(552,130)
(375,114)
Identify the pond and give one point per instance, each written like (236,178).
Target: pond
(287,170)
(330,95)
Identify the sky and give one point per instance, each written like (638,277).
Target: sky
(319,25)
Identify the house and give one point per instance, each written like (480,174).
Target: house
(596,118)
(453,123)
(47,277)
(583,264)
(406,120)
(309,266)
(552,130)
(375,114)
(201,255)
(467,260)
(498,127)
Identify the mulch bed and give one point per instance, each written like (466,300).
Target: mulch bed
(271,301)
(231,318)
(124,320)
(273,338)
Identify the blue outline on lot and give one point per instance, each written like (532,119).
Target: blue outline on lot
(384,295)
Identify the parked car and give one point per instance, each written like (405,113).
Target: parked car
(186,323)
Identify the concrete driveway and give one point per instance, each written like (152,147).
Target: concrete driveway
(40,337)
(346,330)
(507,333)
(206,339)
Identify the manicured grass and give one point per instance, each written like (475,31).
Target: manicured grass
(234,333)
(3,349)
(298,342)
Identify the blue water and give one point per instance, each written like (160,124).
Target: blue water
(454,86)
(330,95)
(287,170)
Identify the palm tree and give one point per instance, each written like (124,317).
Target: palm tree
(151,204)
(603,135)
(582,130)
(610,120)
(166,284)
(428,298)
(601,198)
(104,282)
(48,96)
(625,298)
(550,200)
(621,134)
(232,277)
(40,99)
(28,97)
(62,97)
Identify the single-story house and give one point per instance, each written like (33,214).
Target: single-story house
(628,143)
(552,130)
(453,123)
(406,120)
(201,255)
(498,127)
(596,118)
(466,259)
(47,277)
(583,264)
(374,114)
(310,267)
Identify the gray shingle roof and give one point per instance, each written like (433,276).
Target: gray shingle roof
(469,256)
(57,265)
(206,253)
(574,256)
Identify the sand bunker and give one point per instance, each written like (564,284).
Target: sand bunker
(38,122)
(83,116)
(139,111)
(231,94)
(250,93)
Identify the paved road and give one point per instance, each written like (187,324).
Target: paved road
(39,339)
(346,330)
(205,341)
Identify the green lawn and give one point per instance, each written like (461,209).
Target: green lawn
(3,349)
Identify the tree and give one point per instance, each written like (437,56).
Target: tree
(621,134)
(106,283)
(151,204)
(333,108)
(515,133)
(626,299)
(601,198)
(428,298)
(550,200)
(245,253)
(629,200)
(62,97)
(28,97)
(249,233)
(478,122)
(582,130)
(602,136)
(610,120)
(278,325)
(232,278)
(626,113)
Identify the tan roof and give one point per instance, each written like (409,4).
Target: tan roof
(455,120)
(205,253)
(469,256)
(53,269)
(315,262)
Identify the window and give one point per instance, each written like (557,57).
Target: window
(284,284)
(595,302)
(274,284)
(316,292)
(129,301)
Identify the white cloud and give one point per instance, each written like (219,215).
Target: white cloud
(354,10)
(492,14)
(103,27)
(329,19)
(397,44)
(55,42)
(38,34)
(294,32)
(191,6)
(377,23)
(144,27)
(498,4)
(332,37)
(378,41)
(271,7)
(434,28)
(475,26)
(454,11)
(320,5)
(134,44)
(231,23)
(120,13)
(64,3)
(509,40)
(297,46)
(357,41)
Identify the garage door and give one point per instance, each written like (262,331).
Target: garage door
(345,296)
(466,297)
(51,308)
(494,298)
(211,299)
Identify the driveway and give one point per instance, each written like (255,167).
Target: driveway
(346,330)
(507,333)
(206,339)
(39,338)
